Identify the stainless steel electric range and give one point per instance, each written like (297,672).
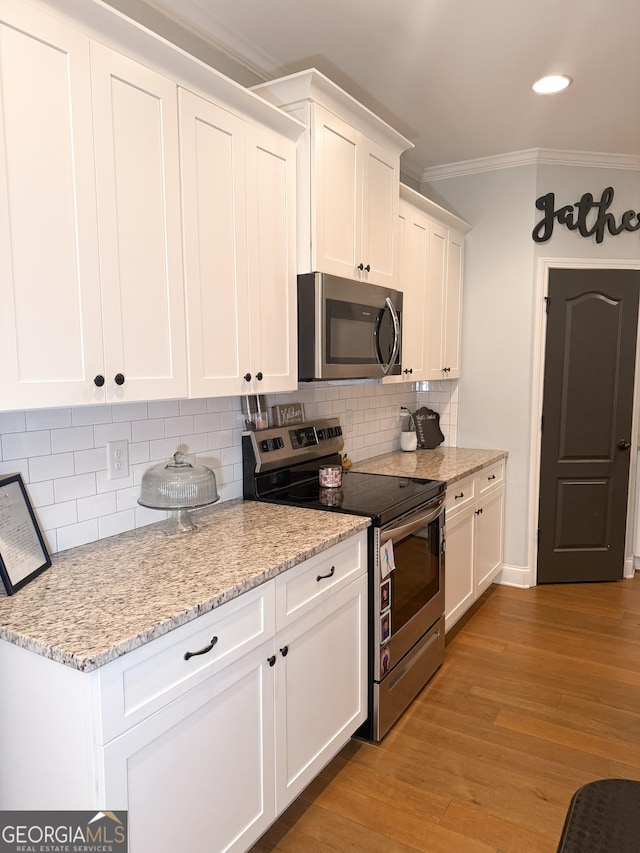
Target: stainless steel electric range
(406,552)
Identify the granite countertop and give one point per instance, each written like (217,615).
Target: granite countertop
(442,463)
(101,600)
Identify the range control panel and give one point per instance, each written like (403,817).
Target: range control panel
(284,445)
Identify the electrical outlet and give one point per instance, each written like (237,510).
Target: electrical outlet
(118,459)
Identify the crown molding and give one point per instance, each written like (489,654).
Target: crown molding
(533,156)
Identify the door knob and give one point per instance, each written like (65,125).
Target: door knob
(98,381)
(119,379)
(247,377)
(624,445)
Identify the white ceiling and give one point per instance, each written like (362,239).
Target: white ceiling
(454,76)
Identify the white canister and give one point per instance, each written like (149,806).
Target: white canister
(330,477)
(408,440)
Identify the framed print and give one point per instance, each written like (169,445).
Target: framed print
(23,553)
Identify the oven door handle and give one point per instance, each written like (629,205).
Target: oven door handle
(417,522)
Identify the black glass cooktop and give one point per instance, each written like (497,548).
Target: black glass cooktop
(378,496)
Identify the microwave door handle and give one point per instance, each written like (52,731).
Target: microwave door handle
(386,366)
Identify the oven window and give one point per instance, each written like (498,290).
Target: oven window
(416,578)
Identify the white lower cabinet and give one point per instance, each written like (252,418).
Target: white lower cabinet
(473,536)
(207,733)
(198,775)
(320,687)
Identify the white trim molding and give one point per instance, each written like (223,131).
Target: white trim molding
(532,156)
(514,576)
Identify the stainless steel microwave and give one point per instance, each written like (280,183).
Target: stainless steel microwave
(347,329)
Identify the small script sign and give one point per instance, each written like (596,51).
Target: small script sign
(588,216)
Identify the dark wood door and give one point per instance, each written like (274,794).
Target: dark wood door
(586,429)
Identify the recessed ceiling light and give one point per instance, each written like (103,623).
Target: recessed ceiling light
(551,84)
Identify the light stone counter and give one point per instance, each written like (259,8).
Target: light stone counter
(101,600)
(443,463)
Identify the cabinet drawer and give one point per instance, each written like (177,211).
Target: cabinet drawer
(145,680)
(301,588)
(460,494)
(489,477)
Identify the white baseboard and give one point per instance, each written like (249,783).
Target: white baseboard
(514,576)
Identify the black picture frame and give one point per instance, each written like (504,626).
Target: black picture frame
(23,553)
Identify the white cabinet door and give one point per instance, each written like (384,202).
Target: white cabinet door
(138,192)
(453,305)
(212,152)
(336,198)
(459,583)
(355,203)
(321,695)
(238,196)
(444,303)
(198,775)
(413,268)
(50,323)
(381,175)
(436,283)
(271,255)
(488,539)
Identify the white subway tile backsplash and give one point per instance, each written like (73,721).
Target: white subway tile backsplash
(97,505)
(62,457)
(15,466)
(163,448)
(12,422)
(163,409)
(139,452)
(47,419)
(192,407)
(50,467)
(119,522)
(71,488)
(40,494)
(77,534)
(130,412)
(111,432)
(194,443)
(72,438)
(147,430)
(104,484)
(207,423)
(90,460)
(17,445)
(178,426)
(57,515)
(84,415)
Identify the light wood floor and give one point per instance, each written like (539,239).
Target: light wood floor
(539,694)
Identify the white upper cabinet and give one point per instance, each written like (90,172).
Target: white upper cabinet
(431,262)
(238,196)
(348,179)
(91,227)
(138,189)
(413,250)
(50,323)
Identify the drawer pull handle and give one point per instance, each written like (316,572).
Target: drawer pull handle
(492,477)
(330,575)
(461,495)
(478,511)
(203,651)
(272,660)
(284,651)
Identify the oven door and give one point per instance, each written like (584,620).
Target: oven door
(407,599)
